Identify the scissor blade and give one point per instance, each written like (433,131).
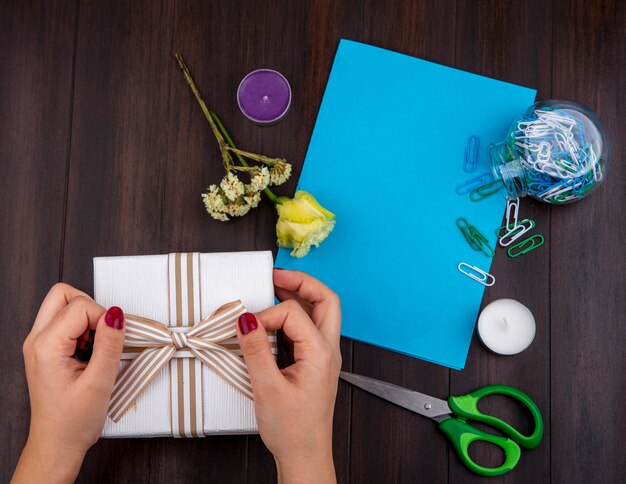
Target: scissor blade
(414,401)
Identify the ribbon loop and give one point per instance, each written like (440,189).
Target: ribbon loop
(159,344)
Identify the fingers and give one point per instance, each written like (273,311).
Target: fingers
(283,295)
(103,367)
(57,298)
(326,311)
(309,288)
(297,326)
(262,367)
(61,333)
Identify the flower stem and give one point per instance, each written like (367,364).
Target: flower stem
(238,152)
(220,140)
(229,139)
(266,160)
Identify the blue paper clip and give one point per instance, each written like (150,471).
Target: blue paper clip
(474,184)
(470,162)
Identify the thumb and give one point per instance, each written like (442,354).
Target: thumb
(253,340)
(107,350)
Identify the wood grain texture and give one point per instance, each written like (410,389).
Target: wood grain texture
(104,151)
(588,304)
(484,45)
(36,55)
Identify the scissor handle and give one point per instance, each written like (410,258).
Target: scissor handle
(461,434)
(466,406)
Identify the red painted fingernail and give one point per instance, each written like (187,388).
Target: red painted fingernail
(247,323)
(114,317)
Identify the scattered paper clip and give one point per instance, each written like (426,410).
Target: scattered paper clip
(482,241)
(477,274)
(513,233)
(487,190)
(514,229)
(523,250)
(470,161)
(476,240)
(501,232)
(474,184)
(464,227)
(512,212)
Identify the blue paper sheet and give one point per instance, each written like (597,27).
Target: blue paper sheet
(385,156)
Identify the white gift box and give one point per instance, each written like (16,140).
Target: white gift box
(142,285)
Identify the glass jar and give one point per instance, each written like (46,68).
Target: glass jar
(557,153)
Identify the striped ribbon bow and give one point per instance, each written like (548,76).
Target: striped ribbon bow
(159,343)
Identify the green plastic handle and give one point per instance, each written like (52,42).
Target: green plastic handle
(466,407)
(461,435)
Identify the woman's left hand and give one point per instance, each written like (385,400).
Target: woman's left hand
(69,399)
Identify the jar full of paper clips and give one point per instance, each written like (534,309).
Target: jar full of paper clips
(557,153)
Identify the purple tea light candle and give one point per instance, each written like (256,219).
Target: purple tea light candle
(264,96)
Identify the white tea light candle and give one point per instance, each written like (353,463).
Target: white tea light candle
(506,327)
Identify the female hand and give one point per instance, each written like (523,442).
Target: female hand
(294,406)
(69,399)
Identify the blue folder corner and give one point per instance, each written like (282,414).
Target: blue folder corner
(386,156)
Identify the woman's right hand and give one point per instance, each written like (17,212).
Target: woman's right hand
(294,406)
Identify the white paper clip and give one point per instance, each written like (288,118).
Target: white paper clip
(597,172)
(551,115)
(515,233)
(544,151)
(512,212)
(477,274)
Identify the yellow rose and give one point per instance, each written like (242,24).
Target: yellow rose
(302,223)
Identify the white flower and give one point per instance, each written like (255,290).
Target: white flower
(213,199)
(260,179)
(242,210)
(219,216)
(238,208)
(253,200)
(214,203)
(232,186)
(280,172)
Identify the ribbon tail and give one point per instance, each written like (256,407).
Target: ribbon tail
(133,379)
(229,366)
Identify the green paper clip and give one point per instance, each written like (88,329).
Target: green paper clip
(476,240)
(482,241)
(523,249)
(486,190)
(464,227)
(502,231)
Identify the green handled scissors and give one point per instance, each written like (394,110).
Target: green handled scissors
(453,416)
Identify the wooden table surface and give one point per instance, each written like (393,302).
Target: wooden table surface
(103,151)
